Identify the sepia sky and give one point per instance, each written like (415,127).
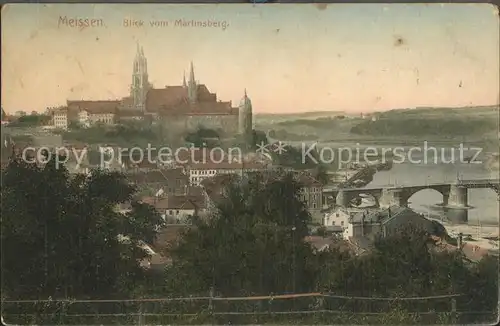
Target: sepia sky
(289,57)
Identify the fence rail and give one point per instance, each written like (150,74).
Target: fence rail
(241,308)
(246,298)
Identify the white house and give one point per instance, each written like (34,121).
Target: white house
(178,208)
(201,171)
(60,118)
(340,217)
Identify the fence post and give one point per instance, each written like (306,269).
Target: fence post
(454,307)
(210,302)
(141,314)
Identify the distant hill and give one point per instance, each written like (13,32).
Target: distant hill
(421,109)
(308,114)
(465,111)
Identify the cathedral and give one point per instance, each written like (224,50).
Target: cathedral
(187,106)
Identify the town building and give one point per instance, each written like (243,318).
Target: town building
(164,182)
(312,196)
(190,105)
(177,109)
(178,209)
(203,170)
(94,112)
(61,117)
(124,116)
(187,106)
(340,217)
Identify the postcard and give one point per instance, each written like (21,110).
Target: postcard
(250,163)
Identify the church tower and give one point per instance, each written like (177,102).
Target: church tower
(140,82)
(245,119)
(192,87)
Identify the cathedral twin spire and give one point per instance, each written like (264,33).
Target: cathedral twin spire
(140,80)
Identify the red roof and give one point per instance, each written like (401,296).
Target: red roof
(95,107)
(173,100)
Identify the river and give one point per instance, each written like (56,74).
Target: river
(484,205)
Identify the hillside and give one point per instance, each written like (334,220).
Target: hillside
(478,124)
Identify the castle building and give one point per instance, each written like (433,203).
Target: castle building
(178,108)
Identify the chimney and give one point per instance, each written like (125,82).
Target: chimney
(459,241)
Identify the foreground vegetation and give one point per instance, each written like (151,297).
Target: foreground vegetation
(61,240)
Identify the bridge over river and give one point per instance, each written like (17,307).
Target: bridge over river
(454,195)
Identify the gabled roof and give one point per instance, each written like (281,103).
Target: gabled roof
(158,99)
(380,215)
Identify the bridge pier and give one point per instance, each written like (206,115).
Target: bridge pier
(446,199)
(343,199)
(458,215)
(393,197)
(458,196)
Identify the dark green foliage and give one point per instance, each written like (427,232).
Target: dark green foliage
(60,235)
(124,135)
(202,137)
(59,239)
(259,137)
(292,157)
(31,121)
(250,245)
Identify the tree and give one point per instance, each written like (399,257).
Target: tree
(31,121)
(259,137)
(62,237)
(406,264)
(253,243)
(202,136)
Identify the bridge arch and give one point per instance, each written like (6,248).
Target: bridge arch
(356,200)
(443,191)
